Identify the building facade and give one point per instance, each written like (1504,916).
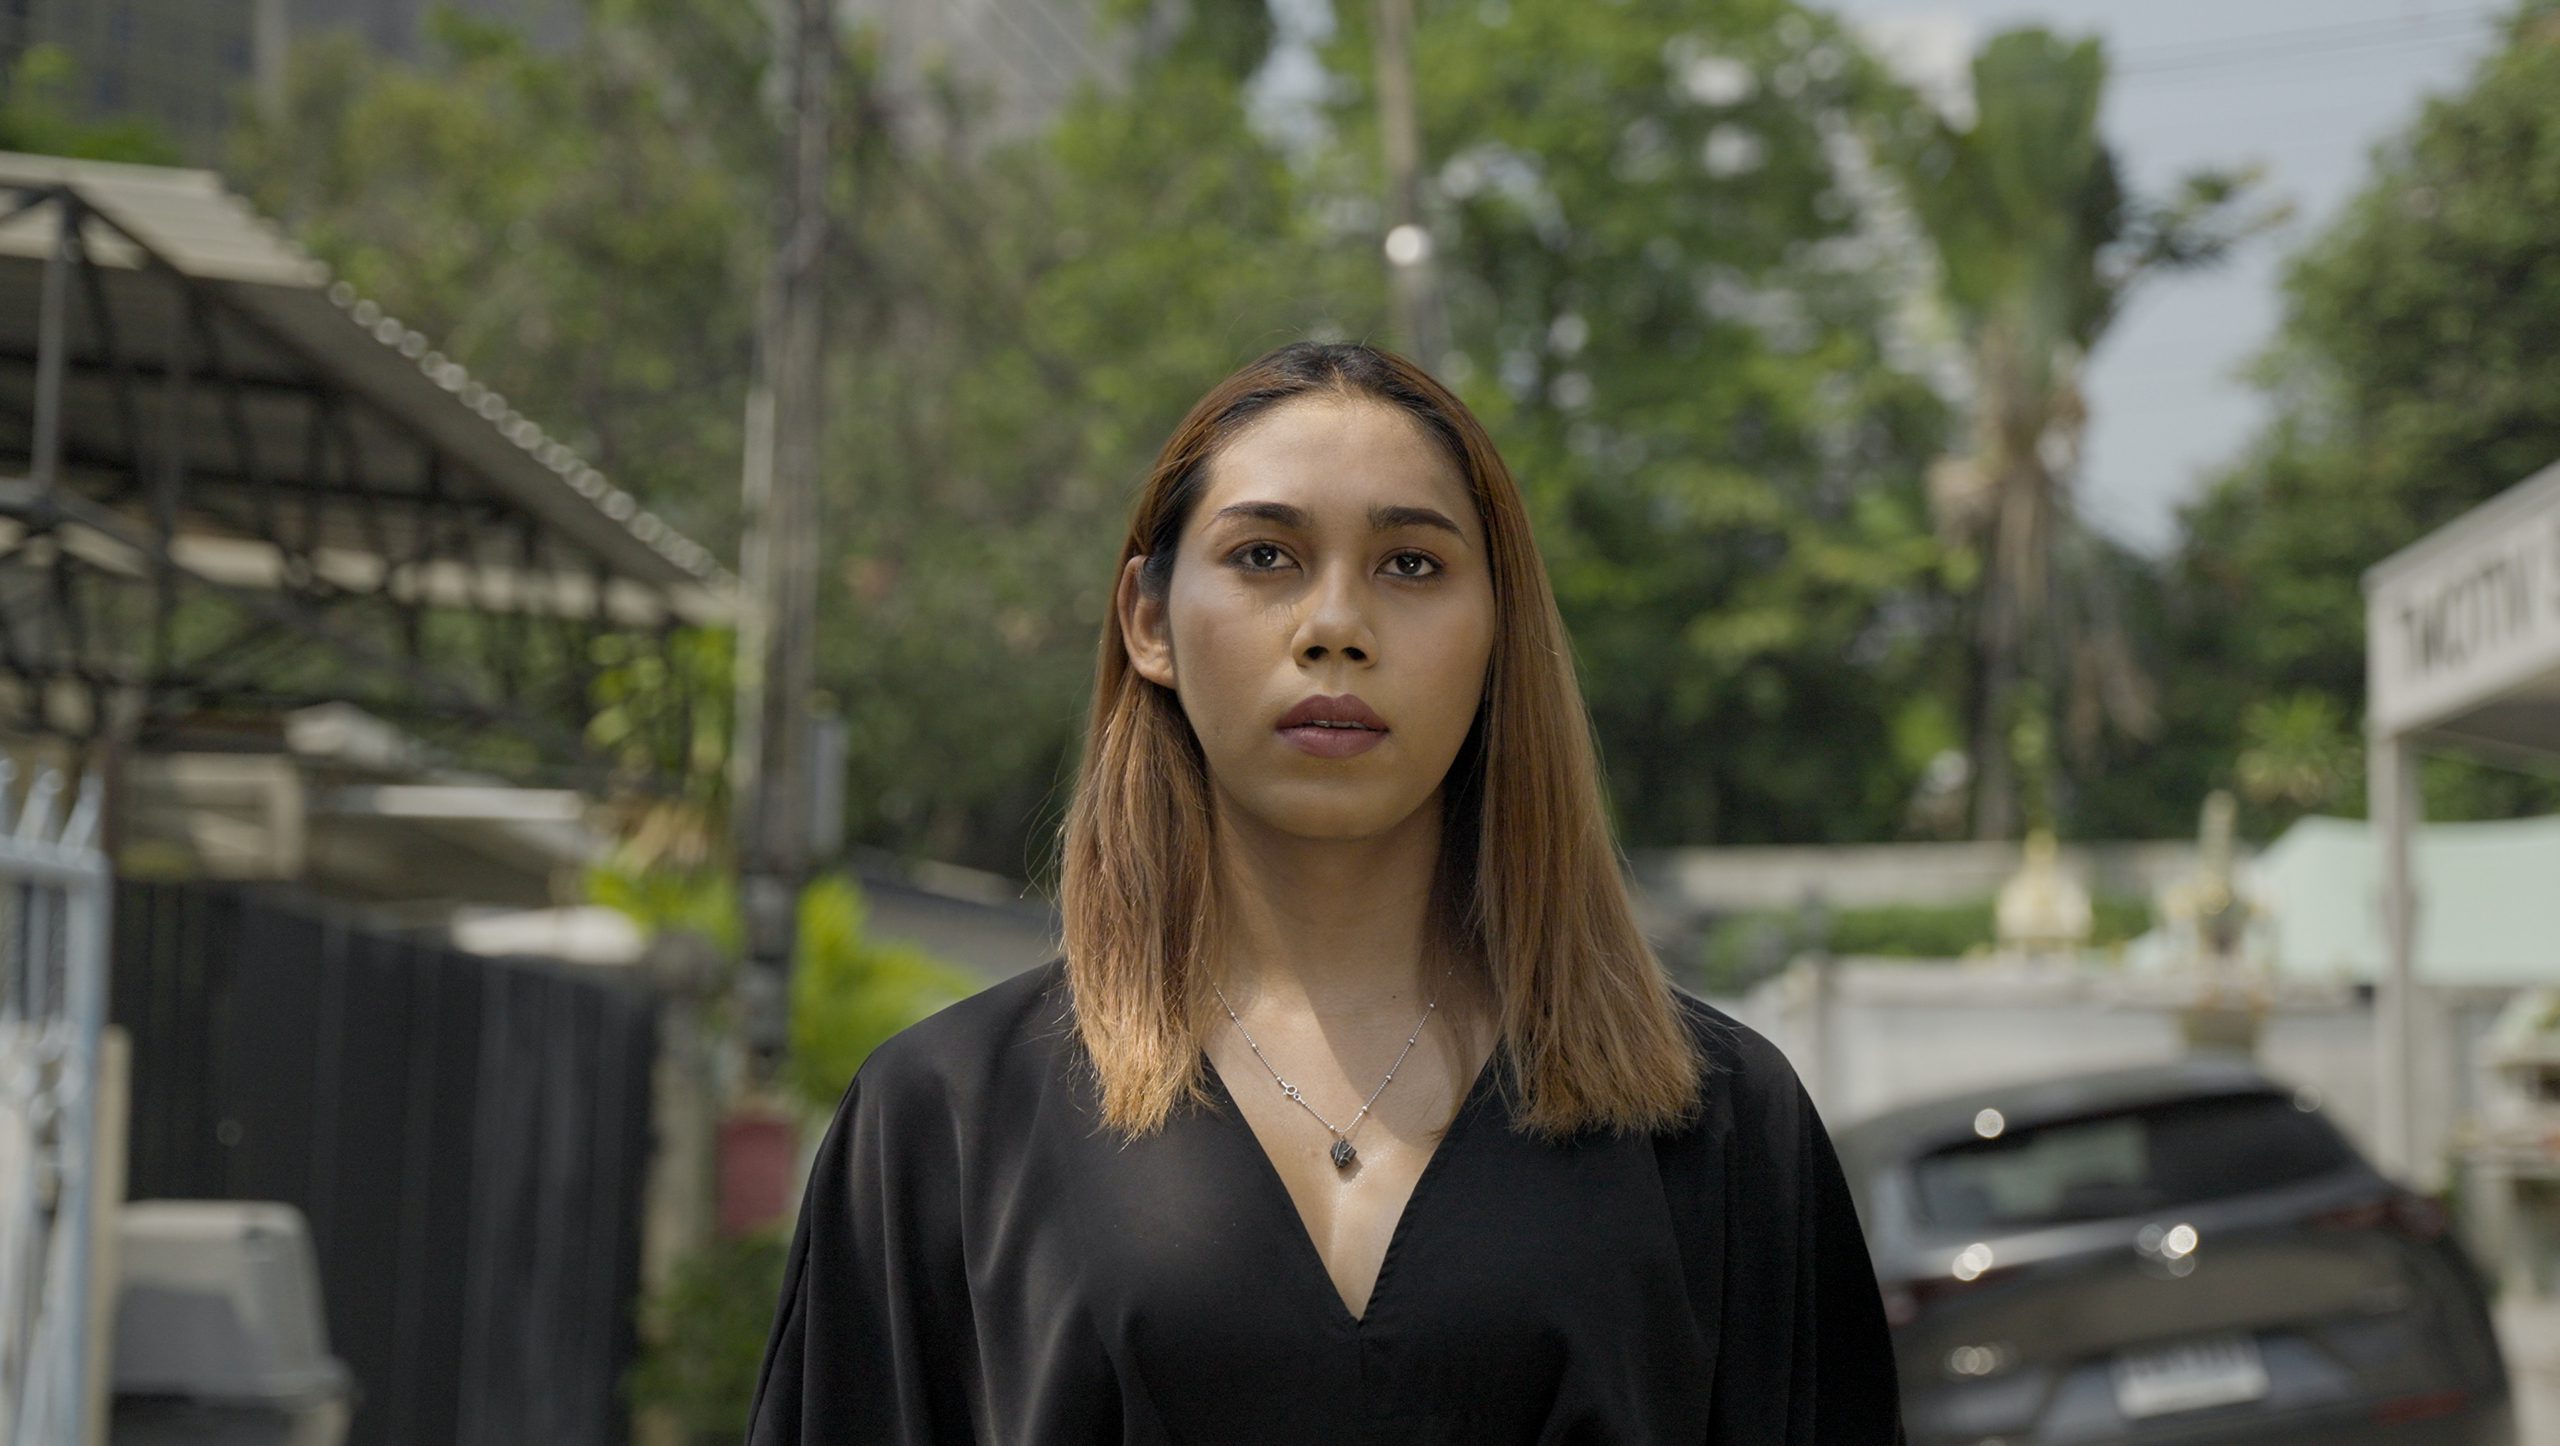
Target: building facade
(186,67)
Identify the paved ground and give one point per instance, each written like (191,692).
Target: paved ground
(2531,1335)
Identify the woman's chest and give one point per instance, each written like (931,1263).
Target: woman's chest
(1519,1282)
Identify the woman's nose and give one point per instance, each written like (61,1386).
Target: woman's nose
(1335,621)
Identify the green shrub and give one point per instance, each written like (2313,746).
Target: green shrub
(850,992)
(1914,931)
(1737,951)
(703,1330)
(706,1329)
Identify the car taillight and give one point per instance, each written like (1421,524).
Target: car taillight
(2401,1410)
(2415,1216)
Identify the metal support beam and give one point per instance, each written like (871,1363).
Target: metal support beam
(2395,810)
(118,543)
(53,343)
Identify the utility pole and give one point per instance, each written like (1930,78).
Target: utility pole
(270,39)
(1411,267)
(776,658)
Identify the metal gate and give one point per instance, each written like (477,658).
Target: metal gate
(54,893)
(469,1139)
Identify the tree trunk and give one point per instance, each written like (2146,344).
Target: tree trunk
(1995,771)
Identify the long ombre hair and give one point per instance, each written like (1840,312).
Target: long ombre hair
(1528,882)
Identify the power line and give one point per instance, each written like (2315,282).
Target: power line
(1076,39)
(2189,62)
(2297,63)
(1049,62)
(2305,41)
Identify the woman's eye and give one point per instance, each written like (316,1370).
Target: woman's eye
(1270,557)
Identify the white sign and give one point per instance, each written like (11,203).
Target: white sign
(2468,614)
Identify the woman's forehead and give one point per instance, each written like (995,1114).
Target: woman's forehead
(1329,455)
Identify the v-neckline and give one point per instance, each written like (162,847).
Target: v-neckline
(1278,1188)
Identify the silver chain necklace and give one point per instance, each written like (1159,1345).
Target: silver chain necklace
(1343,1153)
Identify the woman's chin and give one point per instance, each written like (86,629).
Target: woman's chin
(1348,816)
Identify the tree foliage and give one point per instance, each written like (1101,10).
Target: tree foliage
(1664,306)
(1662,311)
(2413,379)
(565,224)
(1030,317)
(2038,246)
(1670,297)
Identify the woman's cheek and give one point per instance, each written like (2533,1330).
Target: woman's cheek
(1217,686)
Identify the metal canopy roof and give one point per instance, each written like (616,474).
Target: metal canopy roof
(300,341)
(188,401)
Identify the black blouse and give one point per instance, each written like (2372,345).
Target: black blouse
(977,1261)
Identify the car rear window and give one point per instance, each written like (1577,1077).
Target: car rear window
(2126,1163)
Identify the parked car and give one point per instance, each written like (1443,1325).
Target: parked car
(2180,1253)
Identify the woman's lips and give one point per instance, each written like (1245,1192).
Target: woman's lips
(1326,742)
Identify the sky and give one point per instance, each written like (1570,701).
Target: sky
(2305,88)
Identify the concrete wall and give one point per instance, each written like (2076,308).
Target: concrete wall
(1711,881)
(1896,1033)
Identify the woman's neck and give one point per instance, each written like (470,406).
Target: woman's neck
(1341,927)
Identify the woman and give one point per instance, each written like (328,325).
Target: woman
(1357,1109)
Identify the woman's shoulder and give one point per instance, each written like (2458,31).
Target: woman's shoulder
(1747,1078)
(1013,1030)
(1729,1045)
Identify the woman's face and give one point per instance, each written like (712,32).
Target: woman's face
(1332,573)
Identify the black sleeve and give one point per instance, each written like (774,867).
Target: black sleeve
(872,1339)
(1855,1382)
(1807,1357)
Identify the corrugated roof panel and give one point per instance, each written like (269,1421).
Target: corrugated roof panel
(296,325)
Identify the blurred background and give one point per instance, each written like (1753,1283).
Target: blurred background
(550,552)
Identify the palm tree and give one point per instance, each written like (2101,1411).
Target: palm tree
(2038,248)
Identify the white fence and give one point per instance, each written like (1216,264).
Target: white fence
(54,897)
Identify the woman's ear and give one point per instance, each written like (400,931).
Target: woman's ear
(1142,627)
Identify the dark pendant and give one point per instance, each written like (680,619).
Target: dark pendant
(1343,1154)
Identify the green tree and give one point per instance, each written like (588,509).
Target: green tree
(1034,314)
(2038,246)
(704,1326)
(1664,310)
(2413,378)
(705,1329)
(566,224)
(1665,304)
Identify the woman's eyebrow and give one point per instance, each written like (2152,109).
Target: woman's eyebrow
(1382,518)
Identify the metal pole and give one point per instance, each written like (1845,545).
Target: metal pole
(84,945)
(777,619)
(53,310)
(270,37)
(1410,263)
(1825,1077)
(2394,809)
